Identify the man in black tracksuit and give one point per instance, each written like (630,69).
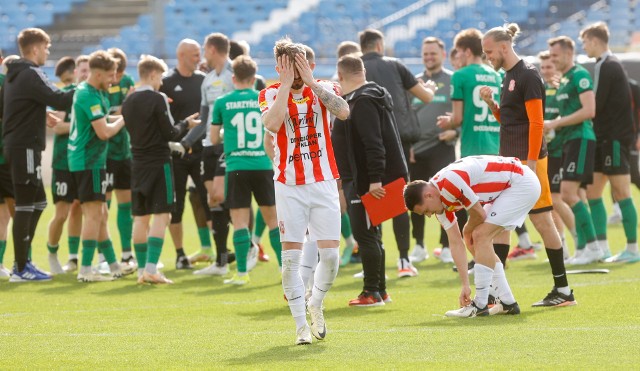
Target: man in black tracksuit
(25,96)
(375,157)
(182,85)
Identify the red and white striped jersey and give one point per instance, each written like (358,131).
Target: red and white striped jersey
(303,149)
(473,179)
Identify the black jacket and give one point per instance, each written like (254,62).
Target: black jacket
(23,103)
(373,146)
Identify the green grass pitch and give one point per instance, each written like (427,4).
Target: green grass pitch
(201,323)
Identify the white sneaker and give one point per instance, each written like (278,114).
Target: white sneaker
(93,277)
(318,327)
(54,264)
(4,272)
(588,256)
(159,266)
(213,270)
(252,257)
(406,269)
(445,255)
(616,215)
(71,266)
(102,268)
(576,255)
(469,311)
(303,335)
(418,254)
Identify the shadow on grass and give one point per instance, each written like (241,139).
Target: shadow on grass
(278,354)
(502,320)
(342,311)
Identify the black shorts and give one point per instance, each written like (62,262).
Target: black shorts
(241,184)
(209,163)
(63,186)
(24,165)
(6,186)
(152,190)
(118,174)
(554,171)
(91,185)
(577,160)
(612,157)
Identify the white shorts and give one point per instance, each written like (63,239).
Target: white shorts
(314,206)
(511,208)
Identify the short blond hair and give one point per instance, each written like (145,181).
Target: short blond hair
(102,60)
(565,42)
(148,64)
(32,36)
(287,47)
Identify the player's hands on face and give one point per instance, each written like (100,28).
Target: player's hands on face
(302,65)
(448,135)
(486,94)
(444,122)
(376,190)
(286,70)
(465,296)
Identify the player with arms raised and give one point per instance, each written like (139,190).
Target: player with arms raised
(296,112)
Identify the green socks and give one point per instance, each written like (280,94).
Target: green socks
(584,224)
(205,239)
(345,227)
(242,243)
(154,245)
(74,245)
(3,248)
(629,219)
(274,238)
(88,250)
(125,225)
(53,249)
(259,225)
(106,248)
(141,254)
(599,218)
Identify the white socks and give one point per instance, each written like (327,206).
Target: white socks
(482,279)
(524,240)
(326,273)
(500,284)
(309,262)
(293,286)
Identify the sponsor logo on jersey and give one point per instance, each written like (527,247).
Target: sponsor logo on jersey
(300,101)
(302,121)
(305,156)
(96,110)
(114,89)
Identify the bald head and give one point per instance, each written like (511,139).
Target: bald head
(188,54)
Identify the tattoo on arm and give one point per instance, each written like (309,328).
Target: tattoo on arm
(334,103)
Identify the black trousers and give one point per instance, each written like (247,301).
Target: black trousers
(369,241)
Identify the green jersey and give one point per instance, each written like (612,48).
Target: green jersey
(120,144)
(86,150)
(239,114)
(551,112)
(573,83)
(60,160)
(480,131)
(2,160)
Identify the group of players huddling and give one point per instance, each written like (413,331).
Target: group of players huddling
(238,140)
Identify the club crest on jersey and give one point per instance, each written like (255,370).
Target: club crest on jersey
(512,85)
(281,226)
